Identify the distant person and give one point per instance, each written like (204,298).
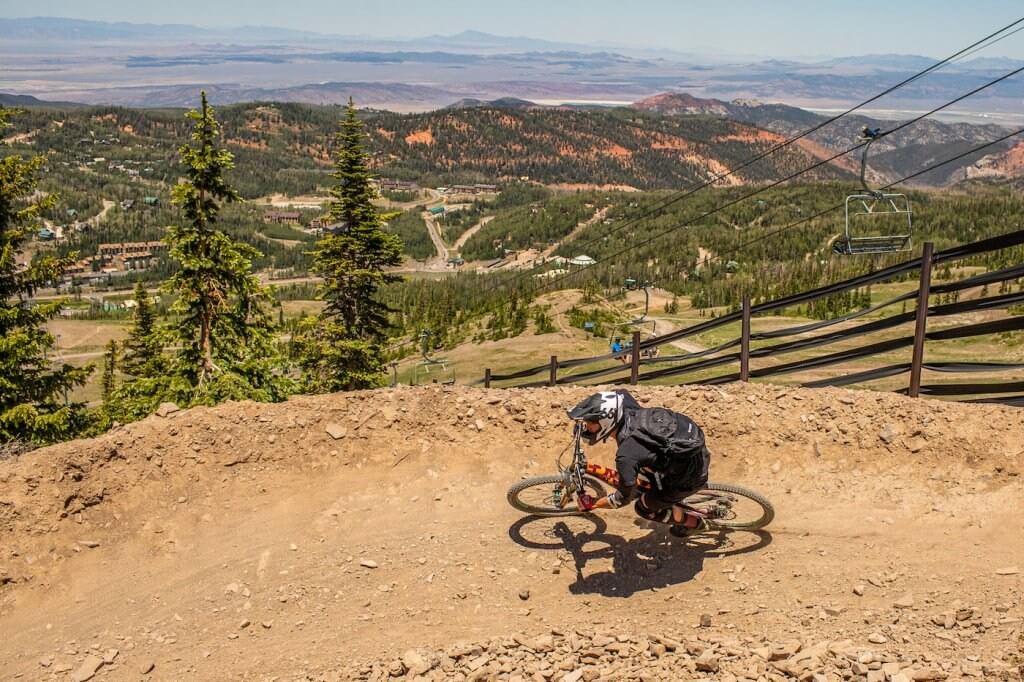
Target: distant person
(666,446)
(617,348)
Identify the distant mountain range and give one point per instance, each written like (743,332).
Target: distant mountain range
(9,100)
(469,41)
(667,141)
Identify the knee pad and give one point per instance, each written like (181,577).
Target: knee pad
(643,511)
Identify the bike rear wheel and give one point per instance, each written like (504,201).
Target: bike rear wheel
(732,506)
(550,495)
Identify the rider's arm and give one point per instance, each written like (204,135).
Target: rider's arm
(630,456)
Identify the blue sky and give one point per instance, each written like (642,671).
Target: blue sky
(783,28)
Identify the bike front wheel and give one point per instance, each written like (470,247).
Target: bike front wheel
(732,506)
(550,495)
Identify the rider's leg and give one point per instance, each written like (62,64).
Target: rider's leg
(649,506)
(664,506)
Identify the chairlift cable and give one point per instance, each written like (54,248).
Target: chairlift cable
(685,193)
(970,49)
(736,248)
(794,175)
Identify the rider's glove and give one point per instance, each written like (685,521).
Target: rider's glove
(586,502)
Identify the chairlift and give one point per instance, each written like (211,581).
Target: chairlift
(632,284)
(874,207)
(621,334)
(431,369)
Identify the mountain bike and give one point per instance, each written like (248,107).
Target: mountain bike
(721,505)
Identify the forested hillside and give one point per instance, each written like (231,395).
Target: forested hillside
(891,158)
(97,158)
(286,148)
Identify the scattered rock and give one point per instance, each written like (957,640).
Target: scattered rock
(1009,570)
(904,602)
(888,434)
(90,666)
(858,589)
(167,409)
(705,620)
(707,662)
(368,563)
(877,638)
(336,431)
(524,594)
(147,668)
(89,543)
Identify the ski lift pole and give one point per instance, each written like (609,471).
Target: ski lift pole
(869,134)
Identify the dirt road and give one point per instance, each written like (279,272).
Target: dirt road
(465,236)
(343,536)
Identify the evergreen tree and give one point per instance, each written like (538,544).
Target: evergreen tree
(109,368)
(33,405)
(227,350)
(341,348)
(143,348)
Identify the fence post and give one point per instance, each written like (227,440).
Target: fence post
(634,364)
(487,378)
(745,341)
(917,359)
(553,379)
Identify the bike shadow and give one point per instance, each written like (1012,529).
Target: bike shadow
(653,561)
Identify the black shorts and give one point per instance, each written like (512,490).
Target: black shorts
(657,500)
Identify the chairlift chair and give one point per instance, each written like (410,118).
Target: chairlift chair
(434,369)
(874,207)
(627,340)
(632,284)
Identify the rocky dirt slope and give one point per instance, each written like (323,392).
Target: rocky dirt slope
(366,536)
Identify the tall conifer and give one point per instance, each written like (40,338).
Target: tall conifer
(143,348)
(341,348)
(109,370)
(33,405)
(224,333)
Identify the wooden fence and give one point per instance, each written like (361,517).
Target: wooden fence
(641,357)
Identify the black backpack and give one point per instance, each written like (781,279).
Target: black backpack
(676,438)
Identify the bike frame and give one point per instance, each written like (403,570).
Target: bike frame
(579,467)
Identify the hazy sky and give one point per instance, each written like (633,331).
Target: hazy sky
(783,28)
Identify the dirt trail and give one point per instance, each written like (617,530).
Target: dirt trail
(465,236)
(435,236)
(579,229)
(346,535)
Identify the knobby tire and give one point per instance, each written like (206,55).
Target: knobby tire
(594,487)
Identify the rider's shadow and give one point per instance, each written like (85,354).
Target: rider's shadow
(653,561)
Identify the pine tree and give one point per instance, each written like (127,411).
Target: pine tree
(33,404)
(341,348)
(109,368)
(143,348)
(227,350)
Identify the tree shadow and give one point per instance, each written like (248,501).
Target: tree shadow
(652,561)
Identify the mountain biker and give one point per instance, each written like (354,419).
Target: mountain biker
(666,446)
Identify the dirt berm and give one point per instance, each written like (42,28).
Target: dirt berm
(367,536)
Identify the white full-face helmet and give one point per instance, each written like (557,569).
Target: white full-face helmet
(605,408)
